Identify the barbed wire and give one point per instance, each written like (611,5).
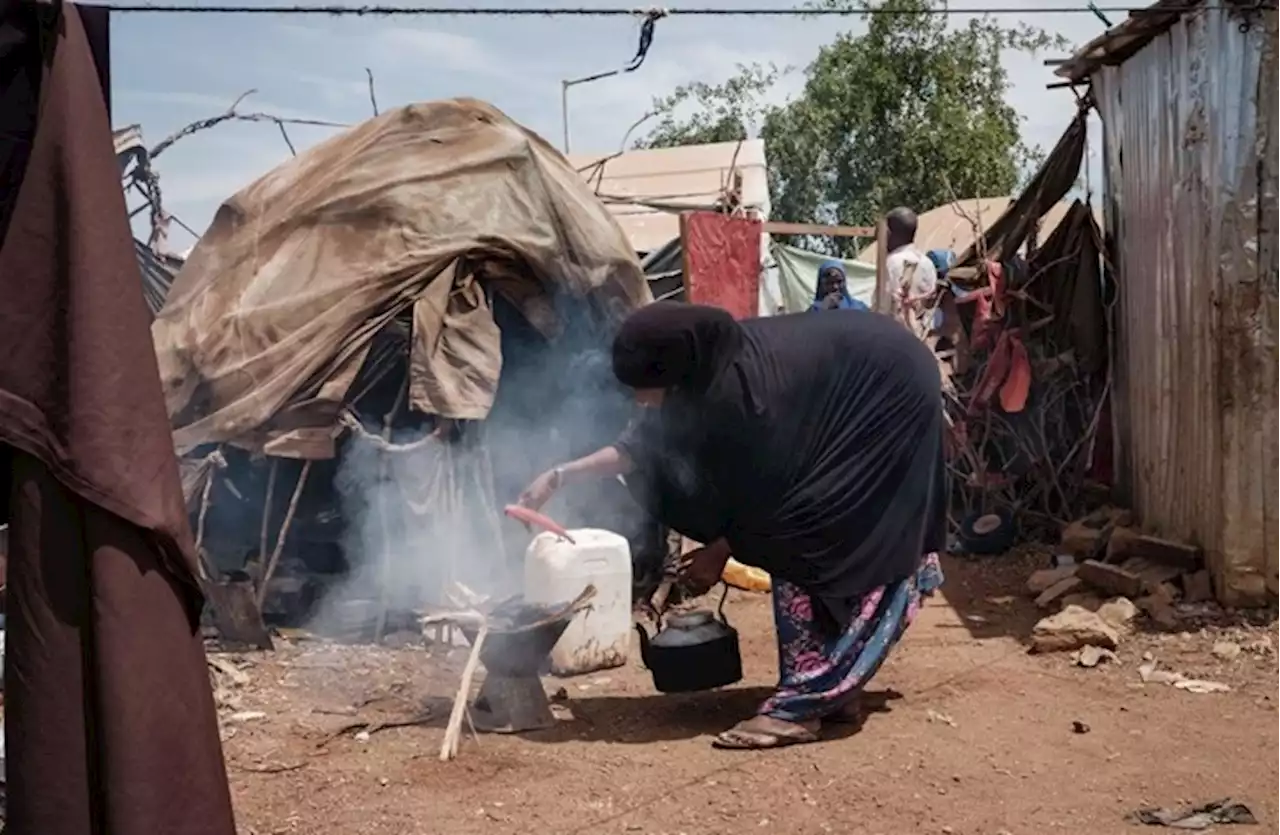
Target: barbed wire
(569,11)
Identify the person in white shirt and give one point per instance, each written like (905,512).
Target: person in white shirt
(911,276)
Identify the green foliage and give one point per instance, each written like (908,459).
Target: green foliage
(909,112)
(699,113)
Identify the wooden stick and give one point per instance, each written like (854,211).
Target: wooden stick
(778,227)
(205,494)
(384,473)
(449,747)
(266,510)
(284,531)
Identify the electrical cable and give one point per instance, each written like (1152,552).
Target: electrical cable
(569,11)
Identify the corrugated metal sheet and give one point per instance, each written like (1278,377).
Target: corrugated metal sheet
(158,272)
(1196,371)
(692,177)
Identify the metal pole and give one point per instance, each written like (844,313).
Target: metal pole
(564,112)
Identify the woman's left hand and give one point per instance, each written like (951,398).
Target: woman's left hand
(701,569)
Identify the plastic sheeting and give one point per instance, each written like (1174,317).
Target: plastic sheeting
(798,277)
(270,319)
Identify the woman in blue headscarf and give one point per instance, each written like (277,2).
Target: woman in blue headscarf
(832,292)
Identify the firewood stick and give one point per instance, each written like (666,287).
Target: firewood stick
(266,512)
(284,531)
(449,747)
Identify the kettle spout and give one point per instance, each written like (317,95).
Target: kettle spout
(644,644)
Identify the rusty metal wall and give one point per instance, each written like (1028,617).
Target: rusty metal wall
(1190,174)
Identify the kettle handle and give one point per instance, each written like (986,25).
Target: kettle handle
(720,608)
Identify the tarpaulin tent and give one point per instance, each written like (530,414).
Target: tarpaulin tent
(426,209)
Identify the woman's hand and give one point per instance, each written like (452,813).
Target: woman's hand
(540,491)
(701,569)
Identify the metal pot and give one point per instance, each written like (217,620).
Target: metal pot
(695,651)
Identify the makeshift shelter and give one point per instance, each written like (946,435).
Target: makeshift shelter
(386,281)
(1186,93)
(428,208)
(1023,346)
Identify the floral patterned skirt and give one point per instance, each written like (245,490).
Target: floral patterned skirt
(820,673)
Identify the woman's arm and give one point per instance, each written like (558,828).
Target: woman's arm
(603,463)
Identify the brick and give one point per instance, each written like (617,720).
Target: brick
(1041,580)
(1059,590)
(1180,555)
(1111,579)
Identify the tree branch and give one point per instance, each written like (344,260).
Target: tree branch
(233,115)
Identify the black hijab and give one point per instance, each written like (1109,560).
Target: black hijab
(673,345)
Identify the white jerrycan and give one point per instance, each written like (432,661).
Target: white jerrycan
(556,571)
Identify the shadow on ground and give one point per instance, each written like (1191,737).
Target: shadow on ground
(989,594)
(659,718)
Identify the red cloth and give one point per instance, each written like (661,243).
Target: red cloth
(722,262)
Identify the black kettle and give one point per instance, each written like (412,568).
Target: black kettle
(696,650)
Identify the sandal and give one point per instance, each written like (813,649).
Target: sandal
(762,732)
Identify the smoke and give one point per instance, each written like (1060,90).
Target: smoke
(422,509)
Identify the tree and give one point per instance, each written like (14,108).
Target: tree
(911,112)
(700,113)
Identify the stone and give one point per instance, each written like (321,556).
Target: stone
(1087,537)
(1071,629)
(1040,581)
(1082,539)
(1062,588)
(1083,599)
(1092,656)
(1159,608)
(1121,543)
(1150,572)
(1111,579)
(1119,612)
(1227,650)
(1197,587)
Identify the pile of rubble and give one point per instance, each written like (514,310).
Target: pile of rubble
(1107,575)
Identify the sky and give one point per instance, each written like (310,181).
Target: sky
(169,70)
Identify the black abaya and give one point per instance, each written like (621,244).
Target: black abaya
(815,441)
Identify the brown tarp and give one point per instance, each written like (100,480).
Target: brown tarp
(111,726)
(269,320)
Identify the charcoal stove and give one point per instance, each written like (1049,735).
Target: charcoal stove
(515,651)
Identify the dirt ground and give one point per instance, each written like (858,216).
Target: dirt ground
(973,736)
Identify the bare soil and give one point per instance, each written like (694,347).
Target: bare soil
(971,736)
